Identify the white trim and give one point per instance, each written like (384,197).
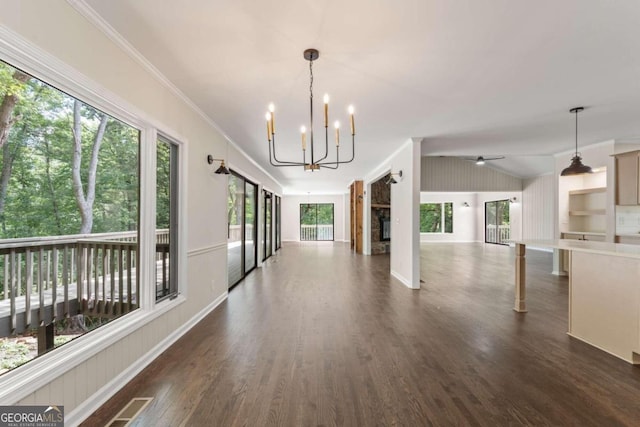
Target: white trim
(92,403)
(628,360)
(402,279)
(26,379)
(207,249)
(534,248)
(97,21)
(595,145)
(385,164)
(147,220)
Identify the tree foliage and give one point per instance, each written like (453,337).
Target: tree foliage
(48,128)
(431,217)
(316,214)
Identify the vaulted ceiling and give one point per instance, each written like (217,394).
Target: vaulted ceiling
(491,77)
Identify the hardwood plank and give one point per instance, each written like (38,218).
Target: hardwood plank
(323,336)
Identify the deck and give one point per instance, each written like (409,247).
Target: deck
(47,279)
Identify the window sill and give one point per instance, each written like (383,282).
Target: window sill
(26,379)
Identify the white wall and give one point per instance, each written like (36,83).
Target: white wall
(405,213)
(538,206)
(54,42)
(291,215)
(468,222)
(464,218)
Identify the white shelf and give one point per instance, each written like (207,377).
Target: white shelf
(588,212)
(588,191)
(588,233)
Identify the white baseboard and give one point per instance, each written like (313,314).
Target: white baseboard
(90,405)
(403,280)
(560,273)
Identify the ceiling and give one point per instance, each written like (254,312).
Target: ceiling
(492,77)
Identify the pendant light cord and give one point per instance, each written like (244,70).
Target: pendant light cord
(311,109)
(577,133)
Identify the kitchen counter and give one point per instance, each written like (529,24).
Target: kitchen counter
(605,248)
(604,293)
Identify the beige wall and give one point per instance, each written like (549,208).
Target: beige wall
(65,38)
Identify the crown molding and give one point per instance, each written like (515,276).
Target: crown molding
(101,24)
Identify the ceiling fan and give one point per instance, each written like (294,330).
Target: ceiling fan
(480,160)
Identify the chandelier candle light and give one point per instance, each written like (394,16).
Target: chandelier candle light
(315,162)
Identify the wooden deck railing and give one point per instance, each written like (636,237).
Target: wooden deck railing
(48,279)
(316,232)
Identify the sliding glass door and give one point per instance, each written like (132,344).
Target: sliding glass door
(250,225)
(242,227)
(497,228)
(278,222)
(268,223)
(316,221)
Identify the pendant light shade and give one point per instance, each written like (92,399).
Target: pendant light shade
(576,167)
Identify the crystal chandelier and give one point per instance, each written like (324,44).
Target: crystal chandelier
(311,161)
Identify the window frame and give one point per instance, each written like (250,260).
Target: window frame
(24,380)
(174,217)
(443,219)
(333,222)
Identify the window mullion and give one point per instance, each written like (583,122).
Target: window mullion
(146,247)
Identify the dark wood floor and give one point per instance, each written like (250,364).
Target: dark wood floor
(320,336)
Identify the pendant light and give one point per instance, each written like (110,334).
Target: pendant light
(576,167)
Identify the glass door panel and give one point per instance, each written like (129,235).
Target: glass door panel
(250,226)
(235,218)
(316,221)
(278,223)
(497,226)
(267,224)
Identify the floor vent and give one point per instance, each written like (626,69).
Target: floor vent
(130,412)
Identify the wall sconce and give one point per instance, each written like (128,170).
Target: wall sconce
(222,169)
(513,200)
(391,180)
(465,205)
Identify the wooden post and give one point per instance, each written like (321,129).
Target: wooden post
(45,338)
(521,263)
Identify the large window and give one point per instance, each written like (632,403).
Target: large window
(436,218)
(69,202)
(316,221)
